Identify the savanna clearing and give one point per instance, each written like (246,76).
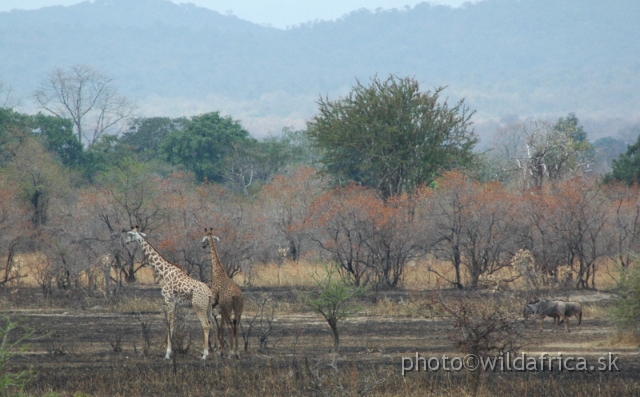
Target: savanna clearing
(84,345)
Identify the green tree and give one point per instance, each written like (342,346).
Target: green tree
(391,136)
(57,135)
(626,313)
(14,339)
(102,156)
(333,299)
(627,167)
(571,149)
(146,134)
(205,144)
(14,131)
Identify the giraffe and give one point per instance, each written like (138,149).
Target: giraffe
(178,290)
(227,294)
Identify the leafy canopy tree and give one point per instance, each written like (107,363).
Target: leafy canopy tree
(14,130)
(57,135)
(627,167)
(204,144)
(145,135)
(391,136)
(572,150)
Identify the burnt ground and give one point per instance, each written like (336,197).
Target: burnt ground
(97,352)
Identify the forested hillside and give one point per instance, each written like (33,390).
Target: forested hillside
(505,57)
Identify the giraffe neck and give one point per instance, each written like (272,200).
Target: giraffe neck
(165,268)
(218,269)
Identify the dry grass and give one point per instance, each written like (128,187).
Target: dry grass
(417,274)
(373,343)
(289,274)
(391,324)
(314,376)
(625,339)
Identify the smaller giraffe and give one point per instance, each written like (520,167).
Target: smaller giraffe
(178,290)
(227,294)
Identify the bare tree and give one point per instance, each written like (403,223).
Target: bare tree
(533,152)
(475,227)
(581,216)
(285,202)
(87,97)
(14,221)
(625,219)
(480,326)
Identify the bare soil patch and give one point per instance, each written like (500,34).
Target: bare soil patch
(100,353)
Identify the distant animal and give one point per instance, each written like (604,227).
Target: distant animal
(546,308)
(573,309)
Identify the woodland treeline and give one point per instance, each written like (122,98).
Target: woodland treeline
(407,185)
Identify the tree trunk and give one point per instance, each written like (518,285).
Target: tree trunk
(333,323)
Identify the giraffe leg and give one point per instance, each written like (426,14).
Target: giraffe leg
(221,340)
(213,320)
(237,316)
(224,321)
(206,328)
(216,328)
(170,311)
(235,338)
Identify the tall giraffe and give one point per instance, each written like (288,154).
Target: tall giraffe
(178,290)
(226,293)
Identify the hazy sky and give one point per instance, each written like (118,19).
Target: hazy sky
(277,13)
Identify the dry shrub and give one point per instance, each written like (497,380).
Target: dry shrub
(480,325)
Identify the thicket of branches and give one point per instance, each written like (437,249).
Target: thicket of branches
(475,227)
(66,204)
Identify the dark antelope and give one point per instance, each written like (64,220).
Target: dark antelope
(545,308)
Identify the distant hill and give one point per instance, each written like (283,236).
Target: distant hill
(507,58)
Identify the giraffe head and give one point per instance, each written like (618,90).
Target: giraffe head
(208,233)
(135,235)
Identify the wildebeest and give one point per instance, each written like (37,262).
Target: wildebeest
(546,308)
(573,309)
